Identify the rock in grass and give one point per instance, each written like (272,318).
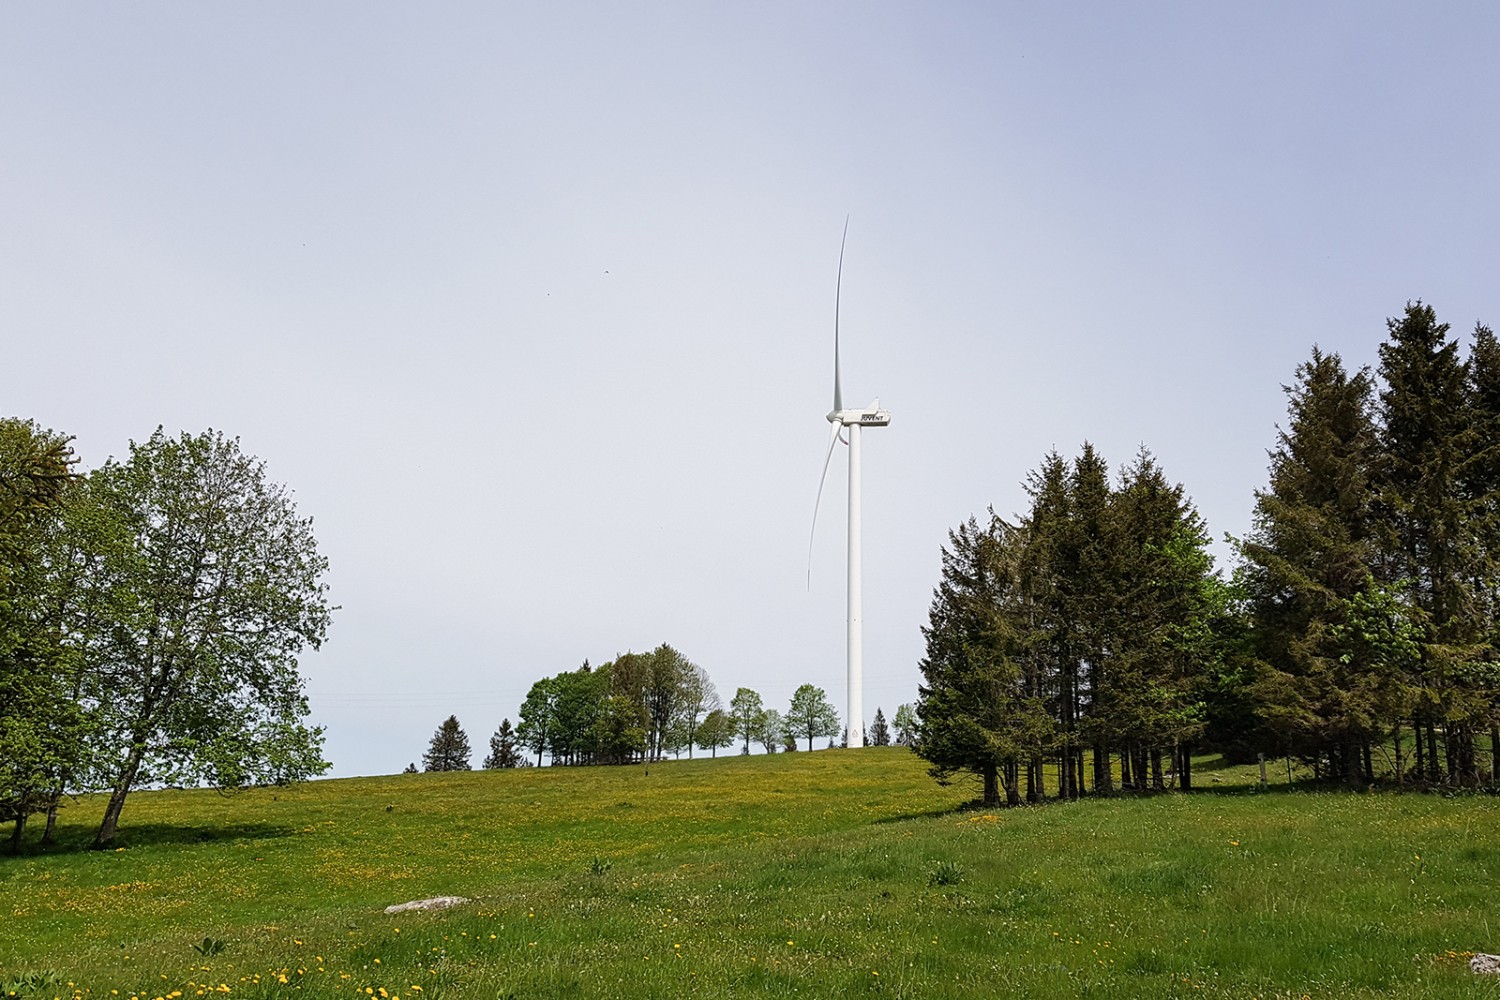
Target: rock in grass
(1485,965)
(435,903)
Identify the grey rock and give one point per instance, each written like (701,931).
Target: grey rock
(435,903)
(1485,965)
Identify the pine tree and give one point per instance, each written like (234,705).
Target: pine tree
(880,733)
(504,750)
(449,750)
(410,768)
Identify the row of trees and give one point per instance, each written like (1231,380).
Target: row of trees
(1358,631)
(747,719)
(1082,627)
(151,616)
(644,706)
(1371,575)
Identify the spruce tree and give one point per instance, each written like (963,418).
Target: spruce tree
(1310,553)
(1430,549)
(979,714)
(504,750)
(449,750)
(880,733)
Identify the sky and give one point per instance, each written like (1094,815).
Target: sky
(531,305)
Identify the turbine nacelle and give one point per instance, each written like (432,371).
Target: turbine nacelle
(872,416)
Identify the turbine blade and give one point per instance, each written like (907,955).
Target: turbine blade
(833,439)
(838,292)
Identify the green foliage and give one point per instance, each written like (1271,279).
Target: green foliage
(199,587)
(504,750)
(449,749)
(1093,623)
(210,946)
(880,733)
(716,731)
(905,722)
(944,873)
(746,710)
(810,715)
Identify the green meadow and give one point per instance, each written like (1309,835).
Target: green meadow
(835,873)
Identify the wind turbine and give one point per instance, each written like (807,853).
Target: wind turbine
(854,420)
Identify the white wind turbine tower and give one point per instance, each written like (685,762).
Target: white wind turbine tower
(872,416)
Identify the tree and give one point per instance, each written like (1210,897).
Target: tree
(905,722)
(979,714)
(504,750)
(44,731)
(717,730)
(449,749)
(810,715)
(745,708)
(1426,519)
(208,586)
(699,698)
(770,730)
(664,694)
(535,728)
(880,733)
(410,768)
(1312,551)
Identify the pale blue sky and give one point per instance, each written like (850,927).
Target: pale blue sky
(531,305)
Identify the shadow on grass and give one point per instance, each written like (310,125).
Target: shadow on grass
(148,835)
(924,814)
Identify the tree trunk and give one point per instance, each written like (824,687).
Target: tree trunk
(1012,783)
(1125,779)
(991,785)
(1434,769)
(1036,791)
(1156,777)
(52,808)
(1104,779)
(1421,768)
(1400,760)
(1185,768)
(20,828)
(1495,755)
(117,799)
(1368,756)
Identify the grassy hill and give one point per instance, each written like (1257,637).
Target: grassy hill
(832,873)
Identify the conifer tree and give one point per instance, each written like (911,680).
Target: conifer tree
(1310,553)
(880,733)
(1429,547)
(449,750)
(504,750)
(979,713)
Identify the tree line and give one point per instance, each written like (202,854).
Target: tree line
(151,614)
(1092,639)
(641,707)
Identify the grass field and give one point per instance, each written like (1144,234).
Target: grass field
(821,874)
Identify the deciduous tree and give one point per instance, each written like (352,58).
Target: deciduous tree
(209,588)
(810,715)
